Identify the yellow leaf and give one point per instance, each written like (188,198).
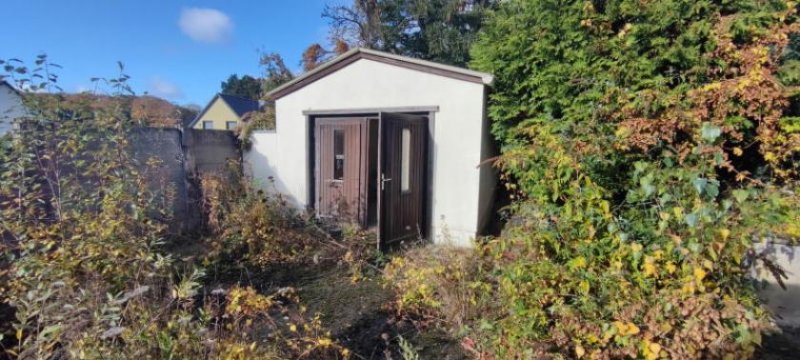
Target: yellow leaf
(671,267)
(699,274)
(724,233)
(626,328)
(584,287)
(655,348)
(579,351)
(650,350)
(649,268)
(293,328)
(737,151)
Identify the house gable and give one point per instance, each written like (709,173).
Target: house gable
(218,112)
(223,108)
(355,55)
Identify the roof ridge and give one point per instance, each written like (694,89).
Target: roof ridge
(236,96)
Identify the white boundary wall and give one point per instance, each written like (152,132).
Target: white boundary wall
(784,304)
(11,107)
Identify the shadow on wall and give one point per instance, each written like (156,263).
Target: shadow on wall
(259,164)
(784,304)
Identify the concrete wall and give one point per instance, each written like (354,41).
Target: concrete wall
(184,156)
(209,150)
(784,304)
(11,107)
(169,180)
(459,128)
(219,112)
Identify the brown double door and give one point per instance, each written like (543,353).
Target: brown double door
(373,168)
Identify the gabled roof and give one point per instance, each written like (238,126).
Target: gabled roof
(239,105)
(387,58)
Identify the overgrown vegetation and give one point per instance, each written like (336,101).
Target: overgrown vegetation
(85,266)
(649,145)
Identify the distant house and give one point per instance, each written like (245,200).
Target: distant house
(391,143)
(11,106)
(223,112)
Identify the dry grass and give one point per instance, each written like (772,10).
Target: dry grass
(435,282)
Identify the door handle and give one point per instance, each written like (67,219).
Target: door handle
(383,181)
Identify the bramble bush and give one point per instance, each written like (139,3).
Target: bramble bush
(250,227)
(649,146)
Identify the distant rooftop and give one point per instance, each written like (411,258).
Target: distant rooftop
(240,105)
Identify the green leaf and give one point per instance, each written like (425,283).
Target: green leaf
(710,132)
(741,195)
(691,220)
(700,184)
(712,189)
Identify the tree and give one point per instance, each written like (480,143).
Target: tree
(438,30)
(246,87)
(275,71)
(313,56)
(340,47)
(652,145)
(358,24)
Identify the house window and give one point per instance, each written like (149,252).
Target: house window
(230,125)
(208,125)
(338,155)
(405,161)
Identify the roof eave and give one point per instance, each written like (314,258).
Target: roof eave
(201,113)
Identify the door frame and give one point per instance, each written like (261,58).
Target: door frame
(429,178)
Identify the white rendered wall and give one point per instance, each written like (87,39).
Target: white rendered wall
(459,137)
(784,304)
(261,161)
(10,108)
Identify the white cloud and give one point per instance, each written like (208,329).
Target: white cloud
(80,88)
(206,25)
(164,89)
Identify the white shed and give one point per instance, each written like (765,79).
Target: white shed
(384,141)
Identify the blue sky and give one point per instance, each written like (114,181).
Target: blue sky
(178,50)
